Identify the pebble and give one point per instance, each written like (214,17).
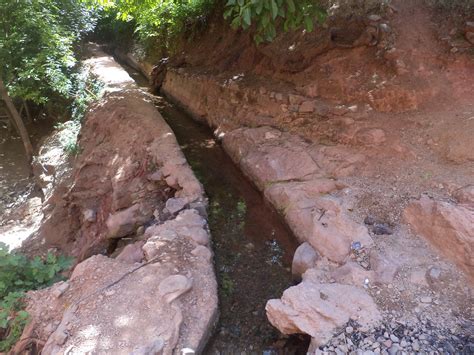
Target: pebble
(415,345)
(387,343)
(394,338)
(393,350)
(349,330)
(426,299)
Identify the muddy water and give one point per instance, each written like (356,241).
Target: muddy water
(253,248)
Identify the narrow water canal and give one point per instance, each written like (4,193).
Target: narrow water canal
(253,248)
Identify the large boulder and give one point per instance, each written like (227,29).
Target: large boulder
(447,226)
(318,309)
(267,155)
(320,220)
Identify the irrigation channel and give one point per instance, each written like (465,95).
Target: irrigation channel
(253,247)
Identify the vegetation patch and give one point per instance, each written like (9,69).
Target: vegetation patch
(19,274)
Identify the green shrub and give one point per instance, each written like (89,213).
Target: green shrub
(158,22)
(271,15)
(19,274)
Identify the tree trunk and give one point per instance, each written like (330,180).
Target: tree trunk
(18,121)
(27,110)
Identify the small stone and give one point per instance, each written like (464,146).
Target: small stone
(374,17)
(403,343)
(387,343)
(202,252)
(307,107)
(415,345)
(109,293)
(140,230)
(349,330)
(470,37)
(426,299)
(469,27)
(394,349)
(156,176)
(434,273)
(174,286)
(90,216)
(385,28)
(394,338)
(279,97)
(382,229)
(60,288)
(174,205)
(369,220)
(60,337)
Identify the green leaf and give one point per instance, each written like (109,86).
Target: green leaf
(246,17)
(274,9)
(308,22)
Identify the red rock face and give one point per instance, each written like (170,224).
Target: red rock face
(448,227)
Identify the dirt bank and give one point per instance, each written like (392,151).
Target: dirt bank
(132,199)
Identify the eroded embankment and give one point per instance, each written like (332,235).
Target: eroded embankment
(132,192)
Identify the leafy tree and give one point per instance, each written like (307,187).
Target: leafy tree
(164,19)
(37,40)
(271,15)
(159,20)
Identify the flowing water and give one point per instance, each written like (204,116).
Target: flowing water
(253,248)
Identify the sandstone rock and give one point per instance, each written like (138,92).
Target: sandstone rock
(305,258)
(156,176)
(337,161)
(174,286)
(352,273)
(448,227)
(197,234)
(465,195)
(125,222)
(295,99)
(132,253)
(59,289)
(266,161)
(319,220)
(203,253)
(131,310)
(155,348)
(372,136)
(384,266)
(319,309)
(174,205)
(307,107)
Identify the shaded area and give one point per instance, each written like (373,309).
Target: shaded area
(16,184)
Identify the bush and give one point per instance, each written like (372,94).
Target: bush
(271,15)
(19,274)
(158,21)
